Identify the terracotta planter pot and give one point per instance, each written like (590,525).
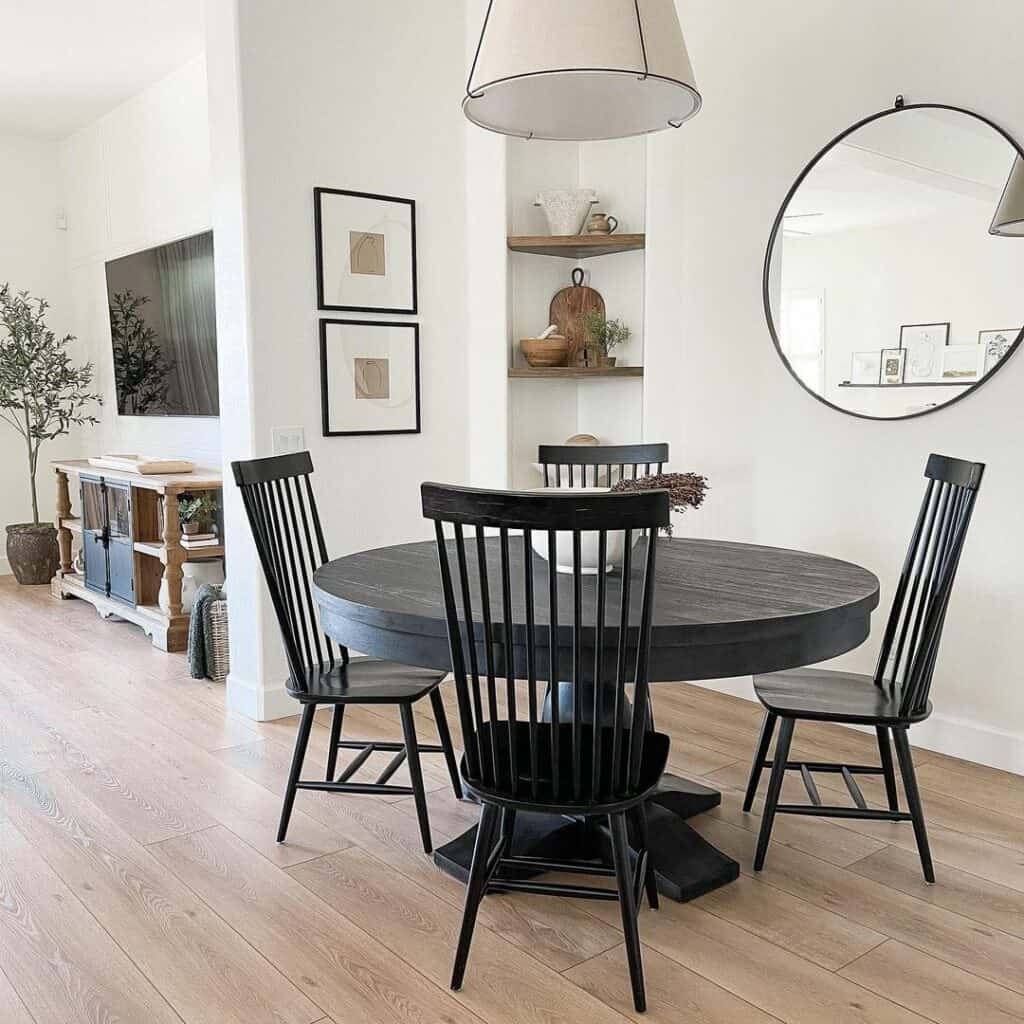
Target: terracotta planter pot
(32,552)
(189,528)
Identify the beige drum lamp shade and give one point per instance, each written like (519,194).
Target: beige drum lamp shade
(1009,218)
(580,69)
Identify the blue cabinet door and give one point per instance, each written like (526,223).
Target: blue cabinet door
(120,549)
(94,534)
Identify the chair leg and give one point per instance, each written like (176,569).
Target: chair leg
(412,750)
(639,816)
(485,830)
(332,753)
(774,789)
(631,934)
(885,752)
(760,756)
(508,827)
(902,743)
(444,734)
(301,741)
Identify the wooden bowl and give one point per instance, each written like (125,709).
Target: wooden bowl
(550,351)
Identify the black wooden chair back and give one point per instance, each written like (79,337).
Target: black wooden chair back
(281,508)
(910,643)
(511,615)
(632,460)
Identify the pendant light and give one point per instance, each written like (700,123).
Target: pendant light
(580,69)
(1009,218)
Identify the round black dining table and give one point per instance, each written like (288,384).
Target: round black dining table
(721,609)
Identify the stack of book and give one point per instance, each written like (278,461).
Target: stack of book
(194,541)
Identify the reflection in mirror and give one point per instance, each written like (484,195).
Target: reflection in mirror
(886,292)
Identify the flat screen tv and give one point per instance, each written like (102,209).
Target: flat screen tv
(163,329)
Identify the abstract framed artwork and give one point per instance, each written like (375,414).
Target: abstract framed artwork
(963,364)
(365,251)
(866,367)
(369,377)
(894,365)
(997,344)
(923,344)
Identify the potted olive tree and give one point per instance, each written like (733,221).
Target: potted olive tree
(42,395)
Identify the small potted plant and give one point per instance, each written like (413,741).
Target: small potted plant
(42,395)
(196,511)
(685,490)
(603,335)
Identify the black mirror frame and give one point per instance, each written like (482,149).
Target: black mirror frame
(898,108)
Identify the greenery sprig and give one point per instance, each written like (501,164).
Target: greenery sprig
(685,490)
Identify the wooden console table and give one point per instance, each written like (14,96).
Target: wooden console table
(154,536)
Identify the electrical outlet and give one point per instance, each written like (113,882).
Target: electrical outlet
(285,440)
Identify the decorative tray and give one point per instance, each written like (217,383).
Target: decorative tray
(144,464)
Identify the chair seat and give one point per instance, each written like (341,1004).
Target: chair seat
(817,693)
(366,681)
(521,795)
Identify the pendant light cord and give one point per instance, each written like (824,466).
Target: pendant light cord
(476,56)
(643,45)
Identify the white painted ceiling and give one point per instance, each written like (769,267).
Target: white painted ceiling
(917,165)
(67,62)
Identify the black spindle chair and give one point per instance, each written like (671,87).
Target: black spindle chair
(896,696)
(279,502)
(631,460)
(511,616)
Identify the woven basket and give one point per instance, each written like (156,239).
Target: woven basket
(218,662)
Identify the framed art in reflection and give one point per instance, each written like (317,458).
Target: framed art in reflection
(996,345)
(369,377)
(365,251)
(866,367)
(894,365)
(963,364)
(923,344)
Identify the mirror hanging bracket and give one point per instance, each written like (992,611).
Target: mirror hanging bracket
(898,105)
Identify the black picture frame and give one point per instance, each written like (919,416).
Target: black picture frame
(903,368)
(325,323)
(938,323)
(318,195)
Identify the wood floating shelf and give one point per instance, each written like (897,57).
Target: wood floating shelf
(918,384)
(576,247)
(573,372)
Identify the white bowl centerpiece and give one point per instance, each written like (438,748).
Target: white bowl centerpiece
(588,539)
(686,490)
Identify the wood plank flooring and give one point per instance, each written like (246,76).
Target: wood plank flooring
(140,882)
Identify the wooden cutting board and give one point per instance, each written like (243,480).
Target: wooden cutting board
(568,309)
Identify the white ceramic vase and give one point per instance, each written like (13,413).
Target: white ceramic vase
(566,209)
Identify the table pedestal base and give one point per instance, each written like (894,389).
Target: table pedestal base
(685,864)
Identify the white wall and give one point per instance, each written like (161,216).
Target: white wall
(357,96)
(137,177)
(779,79)
(32,257)
(856,271)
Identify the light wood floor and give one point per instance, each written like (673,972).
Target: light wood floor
(140,881)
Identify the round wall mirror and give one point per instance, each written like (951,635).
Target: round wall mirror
(888,288)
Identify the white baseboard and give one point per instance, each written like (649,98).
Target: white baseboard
(945,734)
(960,737)
(257,703)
